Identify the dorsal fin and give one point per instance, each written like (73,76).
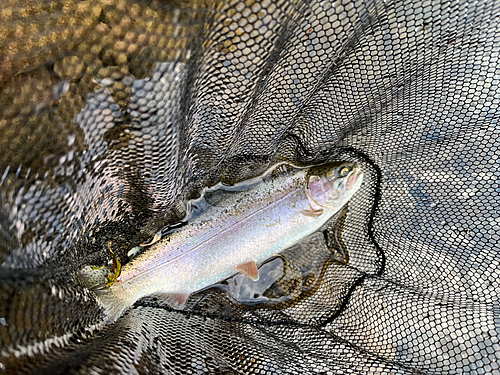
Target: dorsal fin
(281,170)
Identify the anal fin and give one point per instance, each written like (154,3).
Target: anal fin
(175,300)
(249,269)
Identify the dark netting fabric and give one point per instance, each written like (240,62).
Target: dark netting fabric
(113,113)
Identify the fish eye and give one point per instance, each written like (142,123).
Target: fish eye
(343,171)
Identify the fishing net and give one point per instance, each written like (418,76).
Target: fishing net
(114,113)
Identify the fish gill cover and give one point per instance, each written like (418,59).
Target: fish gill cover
(114,113)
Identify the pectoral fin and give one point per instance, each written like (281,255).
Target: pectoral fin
(312,212)
(249,269)
(175,300)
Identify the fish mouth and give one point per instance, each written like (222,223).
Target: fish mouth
(355,174)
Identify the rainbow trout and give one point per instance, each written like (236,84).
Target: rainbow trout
(232,235)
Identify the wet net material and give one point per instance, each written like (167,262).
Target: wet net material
(113,113)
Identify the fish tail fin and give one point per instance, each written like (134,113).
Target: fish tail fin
(114,299)
(92,277)
(112,304)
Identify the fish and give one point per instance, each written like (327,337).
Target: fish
(247,224)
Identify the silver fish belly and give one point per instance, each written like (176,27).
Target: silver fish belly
(240,228)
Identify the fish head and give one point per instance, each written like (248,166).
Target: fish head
(333,184)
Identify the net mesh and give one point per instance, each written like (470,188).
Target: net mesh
(113,113)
